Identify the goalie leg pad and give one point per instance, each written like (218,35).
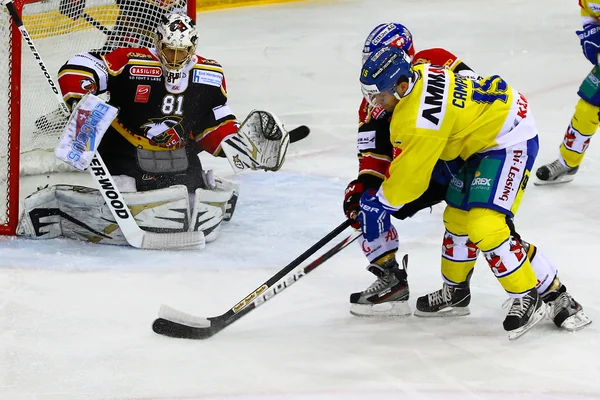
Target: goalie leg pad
(41,218)
(79,212)
(207,219)
(231,189)
(213,206)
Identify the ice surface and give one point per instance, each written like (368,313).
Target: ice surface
(75,318)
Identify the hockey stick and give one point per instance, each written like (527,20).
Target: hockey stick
(134,235)
(298,133)
(75,9)
(178,324)
(96,24)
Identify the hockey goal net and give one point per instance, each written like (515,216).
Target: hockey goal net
(30,121)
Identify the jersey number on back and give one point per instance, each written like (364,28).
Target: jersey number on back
(489,90)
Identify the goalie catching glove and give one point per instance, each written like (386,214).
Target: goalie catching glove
(260,143)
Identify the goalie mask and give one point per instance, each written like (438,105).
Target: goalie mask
(176,39)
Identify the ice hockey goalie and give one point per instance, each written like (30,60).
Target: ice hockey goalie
(172,105)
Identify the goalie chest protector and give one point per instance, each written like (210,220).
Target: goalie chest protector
(154,115)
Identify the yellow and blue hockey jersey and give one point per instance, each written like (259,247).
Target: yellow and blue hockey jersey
(444,116)
(590,11)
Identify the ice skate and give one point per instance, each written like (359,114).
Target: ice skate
(564,311)
(387,296)
(449,301)
(555,172)
(523,314)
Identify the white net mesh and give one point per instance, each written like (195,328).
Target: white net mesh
(60,29)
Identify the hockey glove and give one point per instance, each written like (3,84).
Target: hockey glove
(352,195)
(589,38)
(373,217)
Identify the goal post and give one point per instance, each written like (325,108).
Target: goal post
(30,120)
(10,115)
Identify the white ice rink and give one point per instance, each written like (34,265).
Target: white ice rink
(75,318)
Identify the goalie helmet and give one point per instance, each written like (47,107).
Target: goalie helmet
(176,39)
(389,34)
(383,70)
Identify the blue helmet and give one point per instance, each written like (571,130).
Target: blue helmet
(389,34)
(383,70)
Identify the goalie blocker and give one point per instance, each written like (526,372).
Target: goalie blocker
(84,130)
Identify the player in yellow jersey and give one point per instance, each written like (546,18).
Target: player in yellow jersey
(584,122)
(389,294)
(439,115)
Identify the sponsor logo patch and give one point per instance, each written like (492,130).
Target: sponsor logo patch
(448,245)
(135,54)
(457,182)
(366,140)
(496,263)
(594,7)
(145,71)
(378,112)
(88,85)
(207,77)
(388,29)
(433,99)
(481,182)
(142,94)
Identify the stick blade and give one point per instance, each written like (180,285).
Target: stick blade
(298,133)
(177,324)
(173,241)
(172,329)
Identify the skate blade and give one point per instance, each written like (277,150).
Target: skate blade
(446,312)
(562,179)
(576,322)
(387,309)
(535,318)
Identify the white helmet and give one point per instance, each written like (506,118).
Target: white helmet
(176,33)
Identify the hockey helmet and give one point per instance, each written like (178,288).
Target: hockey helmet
(388,34)
(383,70)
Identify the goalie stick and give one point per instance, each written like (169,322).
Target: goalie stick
(134,235)
(178,324)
